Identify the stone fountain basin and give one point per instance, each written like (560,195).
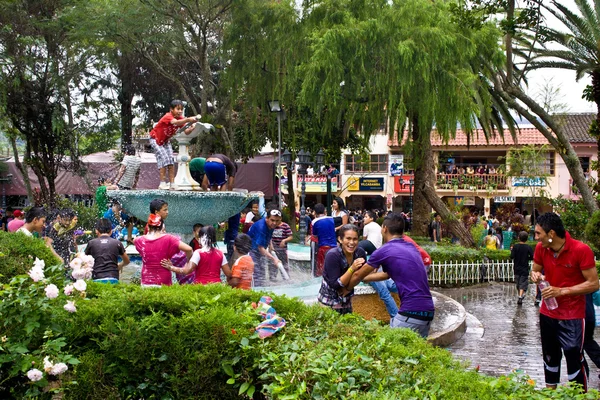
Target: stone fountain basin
(186,208)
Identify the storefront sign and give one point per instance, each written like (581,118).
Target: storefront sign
(468,201)
(528,182)
(318,183)
(396,164)
(365,184)
(402,184)
(505,199)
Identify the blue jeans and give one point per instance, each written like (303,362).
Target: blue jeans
(383,289)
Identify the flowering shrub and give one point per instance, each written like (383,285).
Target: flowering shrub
(16,255)
(33,347)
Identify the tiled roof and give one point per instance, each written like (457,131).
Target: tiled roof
(524,136)
(576,126)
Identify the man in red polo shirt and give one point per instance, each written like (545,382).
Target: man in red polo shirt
(569,268)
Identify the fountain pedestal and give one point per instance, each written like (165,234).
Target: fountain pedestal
(183,179)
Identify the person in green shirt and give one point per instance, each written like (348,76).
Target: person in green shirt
(197,169)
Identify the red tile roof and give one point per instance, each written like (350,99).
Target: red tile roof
(524,136)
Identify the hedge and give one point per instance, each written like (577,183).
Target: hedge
(198,342)
(17,254)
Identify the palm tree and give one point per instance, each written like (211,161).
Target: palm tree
(579,50)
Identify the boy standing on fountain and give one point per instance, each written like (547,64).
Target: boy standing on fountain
(160,137)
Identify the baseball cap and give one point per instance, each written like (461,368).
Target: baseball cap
(18,213)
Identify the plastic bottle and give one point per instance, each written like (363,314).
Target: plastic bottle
(550,303)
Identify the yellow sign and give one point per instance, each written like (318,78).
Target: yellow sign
(353,183)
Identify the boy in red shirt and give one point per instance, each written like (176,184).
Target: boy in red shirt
(160,137)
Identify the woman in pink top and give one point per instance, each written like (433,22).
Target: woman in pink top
(208,261)
(155,247)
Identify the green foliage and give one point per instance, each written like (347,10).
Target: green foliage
(198,342)
(573,214)
(29,336)
(17,254)
(478,232)
(592,230)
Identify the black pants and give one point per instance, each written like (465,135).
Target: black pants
(563,336)
(367,246)
(590,346)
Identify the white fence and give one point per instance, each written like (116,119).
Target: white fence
(456,272)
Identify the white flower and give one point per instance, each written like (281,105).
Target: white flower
(59,369)
(80,285)
(47,364)
(78,273)
(88,260)
(34,375)
(36,273)
(39,263)
(75,263)
(68,289)
(51,291)
(70,306)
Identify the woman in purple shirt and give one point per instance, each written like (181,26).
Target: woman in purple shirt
(340,263)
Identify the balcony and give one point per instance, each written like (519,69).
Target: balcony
(476,182)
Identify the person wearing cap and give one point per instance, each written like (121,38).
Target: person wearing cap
(261,233)
(155,247)
(17,222)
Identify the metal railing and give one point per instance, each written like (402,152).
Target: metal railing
(472,181)
(456,272)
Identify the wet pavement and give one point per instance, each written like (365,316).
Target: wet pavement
(502,336)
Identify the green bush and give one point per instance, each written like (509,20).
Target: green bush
(458,253)
(198,342)
(17,253)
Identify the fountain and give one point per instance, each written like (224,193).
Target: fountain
(188,203)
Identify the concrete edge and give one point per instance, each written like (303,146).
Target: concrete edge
(455,331)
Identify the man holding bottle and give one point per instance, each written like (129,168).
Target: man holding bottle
(570,273)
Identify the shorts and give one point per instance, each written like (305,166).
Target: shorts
(164,153)
(417,325)
(215,172)
(522,282)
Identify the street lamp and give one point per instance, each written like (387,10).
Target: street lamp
(275,107)
(410,184)
(4,181)
(304,161)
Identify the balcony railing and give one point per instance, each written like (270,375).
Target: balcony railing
(472,181)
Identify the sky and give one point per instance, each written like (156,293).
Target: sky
(570,90)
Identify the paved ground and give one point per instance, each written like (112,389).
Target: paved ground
(502,336)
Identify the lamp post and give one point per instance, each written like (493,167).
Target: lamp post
(304,161)
(4,181)
(320,160)
(275,107)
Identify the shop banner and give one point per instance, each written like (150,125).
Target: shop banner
(505,199)
(356,184)
(402,183)
(528,182)
(318,183)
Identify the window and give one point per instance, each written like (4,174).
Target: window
(549,163)
(585,163)
(375,163)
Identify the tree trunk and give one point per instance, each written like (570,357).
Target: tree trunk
(455,225)
(596,130)
(555,135)
(421,209)
(22,168)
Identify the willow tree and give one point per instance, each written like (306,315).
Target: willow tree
(357,65)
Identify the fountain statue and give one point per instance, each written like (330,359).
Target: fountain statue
(188,203)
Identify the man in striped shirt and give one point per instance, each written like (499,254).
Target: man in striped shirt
(129,173)
(282,234)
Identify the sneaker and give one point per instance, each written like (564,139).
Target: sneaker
(520,301)
(164,186)
(174,186)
